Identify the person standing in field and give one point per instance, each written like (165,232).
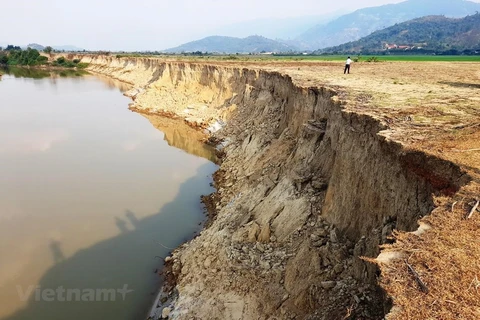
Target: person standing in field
(347,66)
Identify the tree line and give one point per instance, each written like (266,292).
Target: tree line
(15,56)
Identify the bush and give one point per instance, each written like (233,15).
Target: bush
(82,65)
(69,64)
(42,60)
(3,59)
(373,59)
(76,61)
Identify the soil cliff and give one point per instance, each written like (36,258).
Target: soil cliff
(308,191)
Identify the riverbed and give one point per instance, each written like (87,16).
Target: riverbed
(92,197)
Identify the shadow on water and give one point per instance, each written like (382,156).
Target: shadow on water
(116,265)
(121,225)
(57,252)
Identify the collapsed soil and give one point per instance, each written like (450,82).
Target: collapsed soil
(319,170)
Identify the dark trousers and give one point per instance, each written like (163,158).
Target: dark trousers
(347,68)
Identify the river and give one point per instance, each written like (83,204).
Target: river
(91,197)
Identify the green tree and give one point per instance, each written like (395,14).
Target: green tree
(48,50)
(3,59)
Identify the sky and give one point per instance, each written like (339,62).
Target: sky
(146,24)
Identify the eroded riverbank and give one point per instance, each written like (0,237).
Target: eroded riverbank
(309,185)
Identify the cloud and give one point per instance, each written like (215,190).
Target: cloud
(32,142)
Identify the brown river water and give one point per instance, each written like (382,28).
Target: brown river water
(91,195)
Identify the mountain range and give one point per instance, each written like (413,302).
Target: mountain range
(430,33)
(353,26)
(221,44)
(276,28)
(325,33)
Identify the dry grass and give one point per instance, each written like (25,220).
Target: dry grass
(447,260)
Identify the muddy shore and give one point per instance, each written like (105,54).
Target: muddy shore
(314,181)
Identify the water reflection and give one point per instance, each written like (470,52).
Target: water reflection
(113,84)
(26,142)
(35,73)
(181,136)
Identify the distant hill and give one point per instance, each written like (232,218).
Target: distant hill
(353,26)
(431,33)
(276,28)
(67,48)
(220,44)
(36,46)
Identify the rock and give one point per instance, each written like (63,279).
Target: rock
(265,265)
(319,185)
(260,247)
(314,237)
(338,268)
(322,233)
(166,313)
(334,236)
(320,242)
(168,259)
(357,299)
(327,285)
(253,232)
(387,232)
(207,263)
(264,235)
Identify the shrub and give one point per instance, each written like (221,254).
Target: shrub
(69,64)
(82,65)
(373,59)
(42,60)
(3,59)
